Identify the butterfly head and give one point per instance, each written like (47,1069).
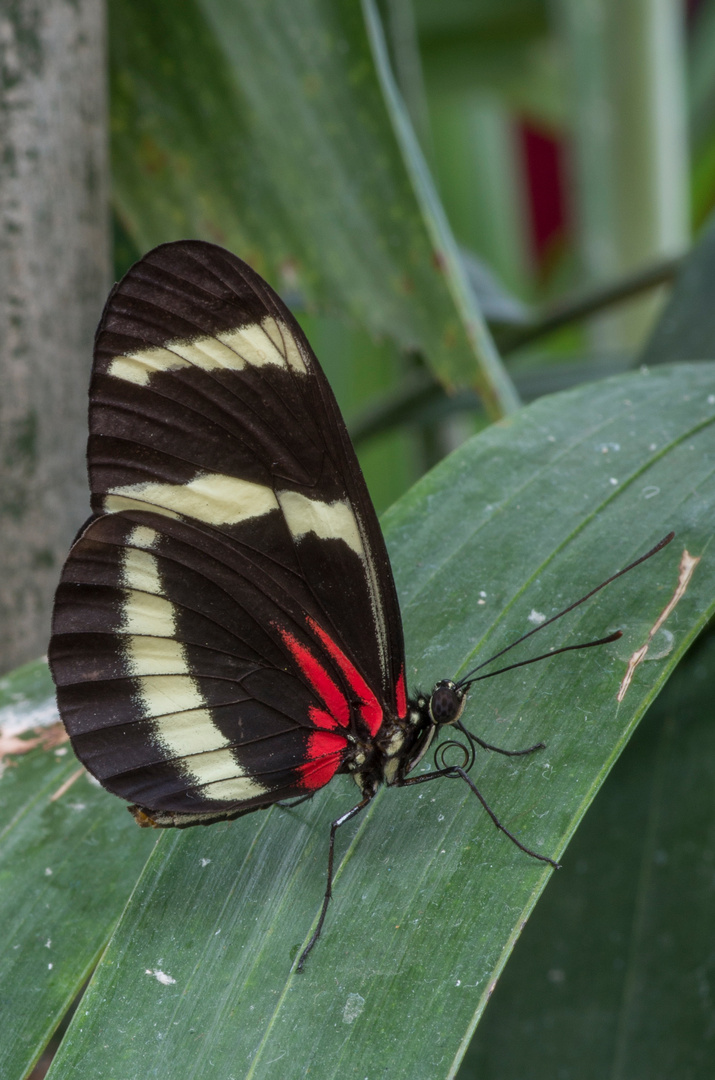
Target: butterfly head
(446,703)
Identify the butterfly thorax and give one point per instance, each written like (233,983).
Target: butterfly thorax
(402,743)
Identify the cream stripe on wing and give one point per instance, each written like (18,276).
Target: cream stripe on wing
(138,367)
(329,521)
(191,732)
(163,694)
(254,345)
(147,615)
(285,343)
(209,353)
(264,344)
(210,497)
(223,779)
(154,655)
(217,766)
(140,571)
(142,536)
(168,695)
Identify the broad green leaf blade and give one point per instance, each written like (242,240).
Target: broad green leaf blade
(62,886)
(686,328)
(608,978)
(429,898)
(265,129)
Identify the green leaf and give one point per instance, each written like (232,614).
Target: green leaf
(62,886)
(429,898)
(275,129)
(611,976)
(686,328)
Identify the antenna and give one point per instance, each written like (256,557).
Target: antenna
(467,680)
(545,656)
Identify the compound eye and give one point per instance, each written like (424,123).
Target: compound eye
(446,703)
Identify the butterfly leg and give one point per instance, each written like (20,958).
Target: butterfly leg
(455,770)
(329,887)
(507,753)
(534,854)
(498,749)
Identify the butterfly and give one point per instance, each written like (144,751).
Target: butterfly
(226,632)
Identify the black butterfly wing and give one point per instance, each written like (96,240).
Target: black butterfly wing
(227,623)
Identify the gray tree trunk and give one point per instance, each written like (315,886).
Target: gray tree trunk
(54,271)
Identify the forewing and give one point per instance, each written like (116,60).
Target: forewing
(207,402)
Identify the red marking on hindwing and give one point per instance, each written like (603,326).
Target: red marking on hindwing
(319,679)
(401,696)
(369,708)
(322,719)
(325,754)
